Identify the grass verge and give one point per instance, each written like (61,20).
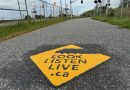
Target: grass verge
(122,22)
(10,31)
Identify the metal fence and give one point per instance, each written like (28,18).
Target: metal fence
(109,8)
(19,10)
(48,10)
(15,10)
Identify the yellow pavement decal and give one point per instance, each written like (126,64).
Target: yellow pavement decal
(62,67)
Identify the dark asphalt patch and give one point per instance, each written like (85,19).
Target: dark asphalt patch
(24,74)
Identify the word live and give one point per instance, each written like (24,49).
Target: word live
(65,62)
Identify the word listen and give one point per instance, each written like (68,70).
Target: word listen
(64,62)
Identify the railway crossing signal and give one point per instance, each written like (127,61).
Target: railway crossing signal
(81,1)
(97,1)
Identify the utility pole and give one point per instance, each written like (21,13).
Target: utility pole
(97,5)
(34,10)
(54,4)
(65,7)
(61,7)
(127,7)
(19,9)
(43,6)
(71,11)
(47,11)
(50,12)
(100,8)
(53,10)
(27,10)
(41,12)
(107,5)
(122,6)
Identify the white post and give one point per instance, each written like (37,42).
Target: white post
(43,6)
(107,10)
(71,9)
(61,7)
(122,6)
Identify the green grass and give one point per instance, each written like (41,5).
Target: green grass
(122,22)
(10,31)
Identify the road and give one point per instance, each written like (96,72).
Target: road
(18,73)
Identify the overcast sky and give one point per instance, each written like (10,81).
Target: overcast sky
(77,6)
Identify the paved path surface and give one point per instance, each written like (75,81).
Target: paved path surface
(18,73)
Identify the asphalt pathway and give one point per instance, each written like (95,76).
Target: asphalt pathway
(17,72)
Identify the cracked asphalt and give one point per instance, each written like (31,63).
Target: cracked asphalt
(17,72)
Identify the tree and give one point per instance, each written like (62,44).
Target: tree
(88,13)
